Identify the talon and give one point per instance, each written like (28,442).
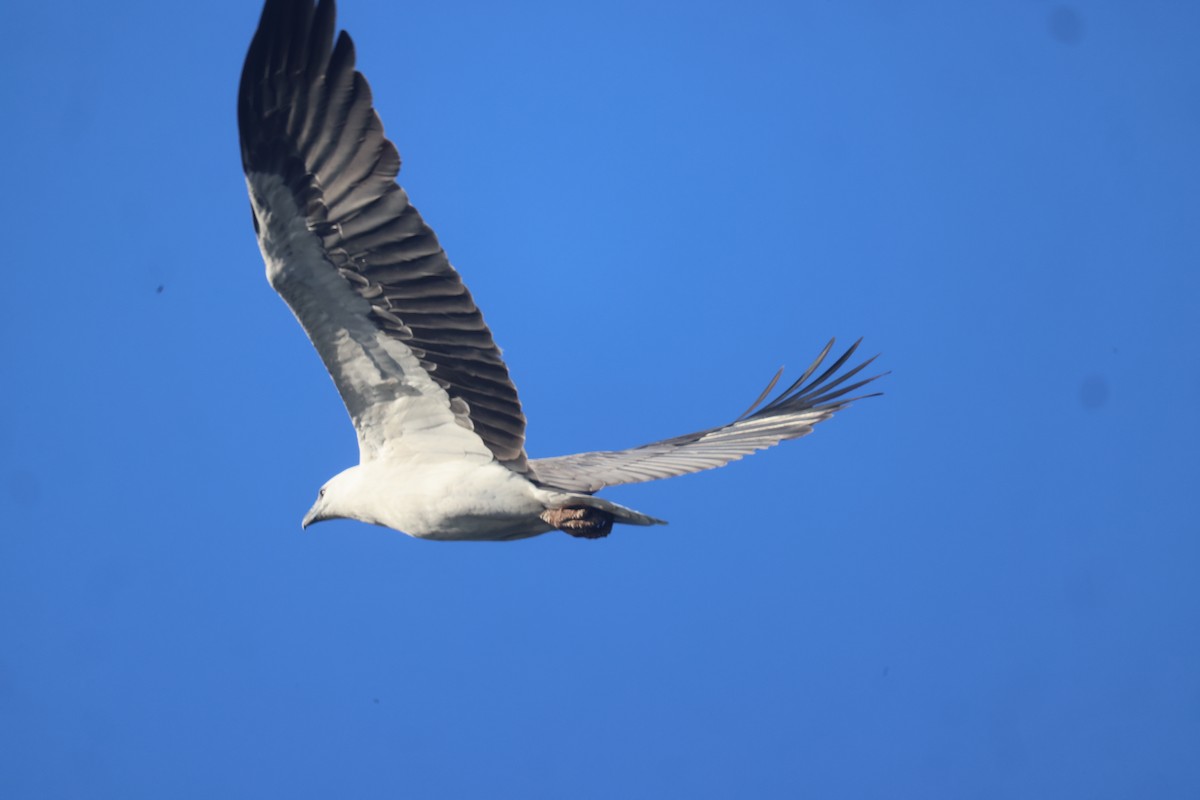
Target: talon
(582,521)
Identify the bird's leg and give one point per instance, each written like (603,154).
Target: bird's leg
(582,521)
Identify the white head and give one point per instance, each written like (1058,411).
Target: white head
(336,498)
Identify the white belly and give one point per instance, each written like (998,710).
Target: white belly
(454,499)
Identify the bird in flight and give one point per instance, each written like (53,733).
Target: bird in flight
(441,433)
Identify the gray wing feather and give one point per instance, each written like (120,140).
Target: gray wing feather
(790,415)
(305,115)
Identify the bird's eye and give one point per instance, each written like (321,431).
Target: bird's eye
(322,492)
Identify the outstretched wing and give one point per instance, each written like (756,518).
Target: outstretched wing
(792,414)
(398,331)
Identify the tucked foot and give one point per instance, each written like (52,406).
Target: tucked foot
(583,521)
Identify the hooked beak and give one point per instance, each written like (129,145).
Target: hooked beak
(312,516)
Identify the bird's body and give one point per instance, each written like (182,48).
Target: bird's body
(445,498)
(440,429)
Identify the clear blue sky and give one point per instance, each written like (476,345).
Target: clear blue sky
(983,584)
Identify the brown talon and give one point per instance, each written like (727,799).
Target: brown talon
(582,521)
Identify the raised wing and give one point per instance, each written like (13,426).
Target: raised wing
(393,322)
(792,414)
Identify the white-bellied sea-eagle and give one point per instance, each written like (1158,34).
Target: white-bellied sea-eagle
(440,430)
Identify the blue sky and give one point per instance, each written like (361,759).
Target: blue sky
(982,584)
